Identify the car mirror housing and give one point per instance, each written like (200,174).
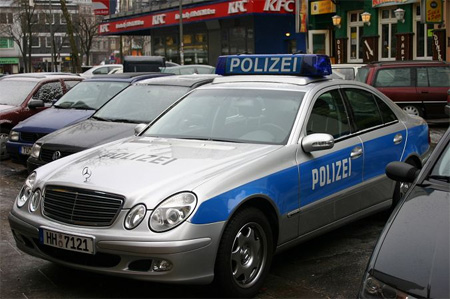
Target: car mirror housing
(139,128)
(401,172)
(317,142)
(33,104)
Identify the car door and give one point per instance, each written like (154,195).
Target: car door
(327,177)
(383,137)
(432,86)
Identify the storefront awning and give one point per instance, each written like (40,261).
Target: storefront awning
(382,3)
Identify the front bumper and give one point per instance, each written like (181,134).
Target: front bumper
(192,257)
(14,151)
(33,163)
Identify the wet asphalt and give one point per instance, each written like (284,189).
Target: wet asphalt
(330,266)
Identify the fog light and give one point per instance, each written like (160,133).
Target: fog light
(161,265)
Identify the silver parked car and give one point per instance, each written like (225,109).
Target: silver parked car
(268,155)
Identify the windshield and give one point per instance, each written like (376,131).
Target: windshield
(140,103)
(234,115)
(441,170)
(15,92)
(90,95)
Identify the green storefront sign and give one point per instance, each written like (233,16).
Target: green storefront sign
(9,60)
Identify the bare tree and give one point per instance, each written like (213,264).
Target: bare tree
(87,29)
(76,65)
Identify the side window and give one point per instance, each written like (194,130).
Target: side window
(70,83)
(328,116)
(364,107)
(439,76)
(422,77)
(101,71)
(49,92)
(395,77)
(386,112)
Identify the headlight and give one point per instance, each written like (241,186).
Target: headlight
(172,212)
(135,216)
(36,150)
(27,190)
(373,288)
(14,136)
(35,201)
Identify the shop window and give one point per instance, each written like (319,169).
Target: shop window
(388,31)
(320,42)
(355,32)
(237,40)
(423,37)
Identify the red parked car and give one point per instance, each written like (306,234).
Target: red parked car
(24,95)
(419,87)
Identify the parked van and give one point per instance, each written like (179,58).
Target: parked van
(143,63)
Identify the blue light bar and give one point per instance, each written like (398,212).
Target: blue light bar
(310,65)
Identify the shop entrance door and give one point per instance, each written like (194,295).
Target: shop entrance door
(319,42)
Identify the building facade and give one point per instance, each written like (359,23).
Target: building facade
(211,28)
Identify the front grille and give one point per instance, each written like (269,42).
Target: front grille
(81,206)
(30,137)
(47,155)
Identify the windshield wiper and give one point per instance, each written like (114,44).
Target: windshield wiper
(443,178)
(208,139)
(122,120)
(100,118)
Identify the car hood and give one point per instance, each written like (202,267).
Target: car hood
(414,255)
(52,119)
(87,134)
(145,169)
(5,108)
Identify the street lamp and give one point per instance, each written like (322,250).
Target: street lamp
(400,15)
(365,16)
(336,21)
(181,34)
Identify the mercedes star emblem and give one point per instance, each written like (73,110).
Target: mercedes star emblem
(56,155)
(86,173)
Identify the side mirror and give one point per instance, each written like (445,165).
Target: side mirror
(317,142)
(33,104)
(402,172)
(139,128)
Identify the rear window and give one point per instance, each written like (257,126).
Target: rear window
(15,92)
(394,77)
(361,76)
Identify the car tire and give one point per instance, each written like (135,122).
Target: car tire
(245,254)
(413,110)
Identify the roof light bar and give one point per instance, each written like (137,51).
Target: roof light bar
(310,65)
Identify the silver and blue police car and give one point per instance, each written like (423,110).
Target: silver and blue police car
(270,154)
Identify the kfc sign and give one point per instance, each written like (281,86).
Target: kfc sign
(237,7)
(277,5)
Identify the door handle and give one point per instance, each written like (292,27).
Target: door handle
(398,139)
(356,152)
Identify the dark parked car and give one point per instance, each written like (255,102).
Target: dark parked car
(24,95)
(412,256)
(419,87)
(77,105)
(139,104)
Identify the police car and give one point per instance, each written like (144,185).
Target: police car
(270,154)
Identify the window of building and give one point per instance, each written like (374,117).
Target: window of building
(6,18)
(355,32)
(62,19)
(388,30)
(49,18)
(423,37)
(36,41)
(237,40)
(6,43)
(48,42)
(65,42)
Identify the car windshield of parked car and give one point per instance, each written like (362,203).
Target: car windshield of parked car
(231,115)
(90,95)
(441,170)
(140,103)
(15,92)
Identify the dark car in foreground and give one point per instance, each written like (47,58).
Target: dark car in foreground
(139,104)
(77,105)
(418,87)
(412,256)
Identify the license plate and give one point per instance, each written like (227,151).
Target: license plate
(67,241)
(25,150)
